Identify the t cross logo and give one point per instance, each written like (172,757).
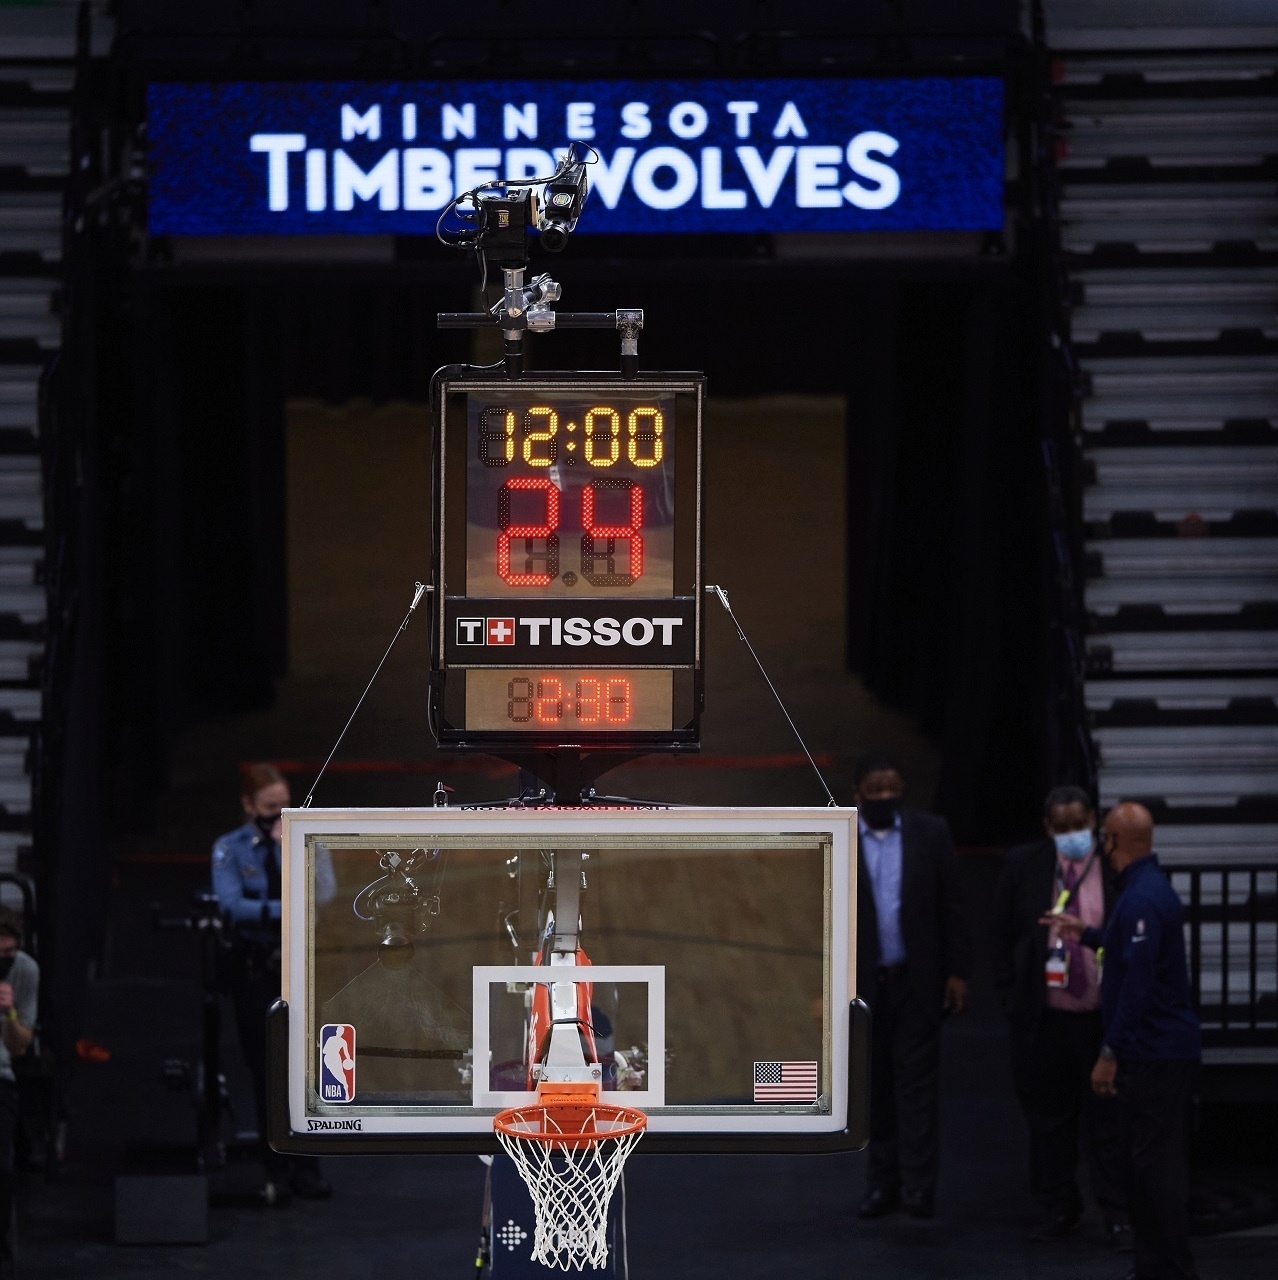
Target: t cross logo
(481,631)
(501,631)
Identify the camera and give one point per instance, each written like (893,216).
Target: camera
(561,202)
(399,906)
(508,214)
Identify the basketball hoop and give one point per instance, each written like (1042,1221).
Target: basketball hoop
(570,1149)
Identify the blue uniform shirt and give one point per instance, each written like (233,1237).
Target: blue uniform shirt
(882,853)
(1146,1002)
(240,881)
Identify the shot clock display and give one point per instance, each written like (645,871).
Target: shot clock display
(569,556)
(570,495)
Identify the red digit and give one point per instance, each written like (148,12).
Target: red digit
(587,701)
(617,708)
(510,531)
(611,532)
(550,700)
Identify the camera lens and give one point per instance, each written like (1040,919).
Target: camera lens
(553,238)
(396,949)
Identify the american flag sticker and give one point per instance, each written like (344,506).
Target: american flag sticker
(785,1081)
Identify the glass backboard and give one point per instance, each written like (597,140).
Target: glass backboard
(715,967)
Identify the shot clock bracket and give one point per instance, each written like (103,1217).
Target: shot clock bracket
(505,217)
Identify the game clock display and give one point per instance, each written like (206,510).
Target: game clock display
(568,560)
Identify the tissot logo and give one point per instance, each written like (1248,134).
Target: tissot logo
(638,633)
(571,633)
(315,1125)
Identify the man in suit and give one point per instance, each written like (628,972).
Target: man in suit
(1049,988)
(913,959)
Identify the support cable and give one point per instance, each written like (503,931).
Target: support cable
(723,600)
(419,590)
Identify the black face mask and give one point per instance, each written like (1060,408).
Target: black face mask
(6,964)
(880,814)
(264,825)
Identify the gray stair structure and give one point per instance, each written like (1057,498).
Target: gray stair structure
(1183,693)
(1166,652)
(1173,596)
(19,394)
(1205,559)
(1195,844)
(1167,152)
(1170,132)
(20,663)
(27,312)
(37,74)
(31,223)
(1162,31)
(1188,304)
(1224,67)
(1180,393)
(21,492)
(35,141)
(1171,218)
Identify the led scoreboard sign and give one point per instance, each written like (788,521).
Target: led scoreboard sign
(568,561)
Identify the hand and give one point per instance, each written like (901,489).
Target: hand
(1103,1075)
(1065,926)
(6,997)
(955,995)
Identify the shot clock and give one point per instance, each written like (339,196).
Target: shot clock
(568,559)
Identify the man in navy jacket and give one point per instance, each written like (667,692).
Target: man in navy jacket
(1152,1047)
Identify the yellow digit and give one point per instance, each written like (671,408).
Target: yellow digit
(614,436)
(532,438)
(652,435)
(502,436)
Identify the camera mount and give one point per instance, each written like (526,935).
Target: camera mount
(505,218)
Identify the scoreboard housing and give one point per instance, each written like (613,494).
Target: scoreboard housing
(568,569)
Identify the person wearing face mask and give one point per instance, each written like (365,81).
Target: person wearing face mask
(247,882)
(1152,1043)
(1049,987)
(913,959)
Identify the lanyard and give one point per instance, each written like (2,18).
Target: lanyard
(1065,896)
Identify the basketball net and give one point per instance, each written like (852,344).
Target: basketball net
(570,1149)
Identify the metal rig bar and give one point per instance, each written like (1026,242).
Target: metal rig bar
(563,320)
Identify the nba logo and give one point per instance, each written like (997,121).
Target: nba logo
(337,1062)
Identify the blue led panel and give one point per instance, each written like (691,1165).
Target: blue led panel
(921,154)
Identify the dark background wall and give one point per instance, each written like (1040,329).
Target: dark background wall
(180,359)
(944,488)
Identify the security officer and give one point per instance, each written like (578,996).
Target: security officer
(1152,1046)
(246,880)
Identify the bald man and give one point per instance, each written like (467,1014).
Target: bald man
(1152,1046)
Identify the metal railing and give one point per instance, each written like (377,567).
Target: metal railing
(1231,940)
